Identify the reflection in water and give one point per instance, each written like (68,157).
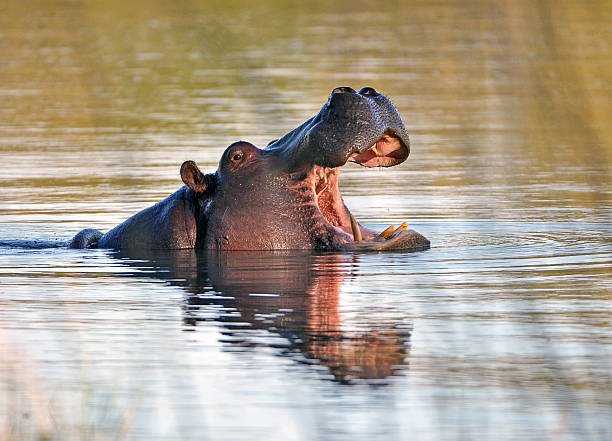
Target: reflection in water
(293,295)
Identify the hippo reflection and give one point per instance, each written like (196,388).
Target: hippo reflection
(285,196)
(293,296)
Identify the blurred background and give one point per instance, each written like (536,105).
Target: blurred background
(100,98)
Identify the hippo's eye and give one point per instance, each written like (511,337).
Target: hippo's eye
(237,156)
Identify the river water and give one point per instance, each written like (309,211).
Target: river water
(502,330)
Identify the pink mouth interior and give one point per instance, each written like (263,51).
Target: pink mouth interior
(388,151)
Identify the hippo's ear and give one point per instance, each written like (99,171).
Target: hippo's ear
(194,178)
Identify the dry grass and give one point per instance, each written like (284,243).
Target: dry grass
(31,412)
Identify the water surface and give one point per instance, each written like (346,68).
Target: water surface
(501,331)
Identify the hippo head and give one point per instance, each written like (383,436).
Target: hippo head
(286,196)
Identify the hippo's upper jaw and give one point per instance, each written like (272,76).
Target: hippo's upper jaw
(362,127)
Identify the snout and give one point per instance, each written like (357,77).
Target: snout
(366,128)
(362,127)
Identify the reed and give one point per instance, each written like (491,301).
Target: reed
(29,411)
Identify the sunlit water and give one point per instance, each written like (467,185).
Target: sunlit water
(501,331)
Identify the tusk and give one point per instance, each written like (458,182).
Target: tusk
(402,227)
(388,232)
(356,230)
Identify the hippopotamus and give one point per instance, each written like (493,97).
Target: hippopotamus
(284,196)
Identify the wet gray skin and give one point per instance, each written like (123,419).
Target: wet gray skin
(285,196)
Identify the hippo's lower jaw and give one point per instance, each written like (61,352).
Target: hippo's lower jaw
(331,211)
(407,240)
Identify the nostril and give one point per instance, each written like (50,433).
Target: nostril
(343,89)
(370,91)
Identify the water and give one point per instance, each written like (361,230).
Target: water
(500,331)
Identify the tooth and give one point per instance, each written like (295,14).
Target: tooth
(388,232)
(402,227)
(374,150)
(356,230)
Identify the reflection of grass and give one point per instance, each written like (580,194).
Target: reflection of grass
(31,413)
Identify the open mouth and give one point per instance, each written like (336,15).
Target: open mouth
(388,151)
